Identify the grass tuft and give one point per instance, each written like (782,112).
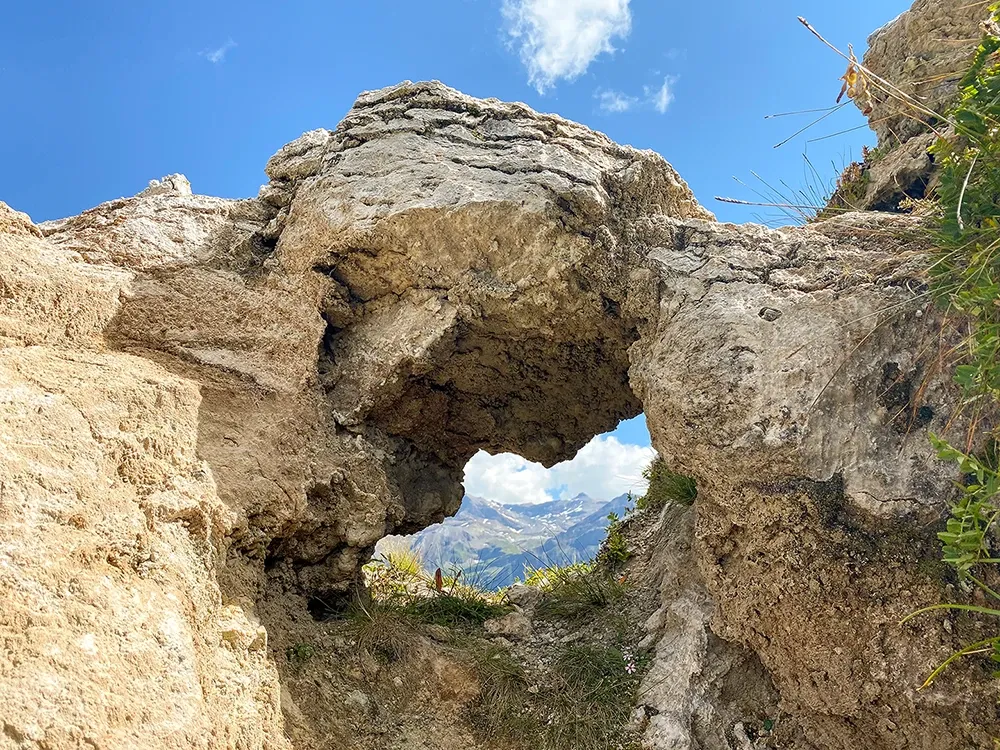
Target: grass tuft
(457,609)
(383,630)
(585,704)
(577,590)
(666,486)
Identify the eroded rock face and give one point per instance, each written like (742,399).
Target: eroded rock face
(920,57)
(923,53)
(471,246)
(213,403)
(113,628)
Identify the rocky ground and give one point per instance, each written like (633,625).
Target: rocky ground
(425,685)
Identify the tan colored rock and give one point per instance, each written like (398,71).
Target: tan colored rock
(49,295)
(698,685)
(113,631)
(920,57)
(923,52)
(906,171)
(214,403)
(14,222)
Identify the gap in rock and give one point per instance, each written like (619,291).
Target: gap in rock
(517,516)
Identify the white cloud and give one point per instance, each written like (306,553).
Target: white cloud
(560,38)
(603,469)
(218,54)
(663,96)
(614,101)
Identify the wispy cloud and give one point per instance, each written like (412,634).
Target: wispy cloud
(603,469)
(614,101)
(558,39)
(218,54)
(661,97)
(656,97)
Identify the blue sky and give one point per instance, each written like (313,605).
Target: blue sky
(100,97)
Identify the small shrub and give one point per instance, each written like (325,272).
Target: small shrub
(614,549)
(666,486)
(299,654)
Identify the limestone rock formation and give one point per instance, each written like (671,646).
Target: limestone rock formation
(114,630)
(918,59)
(923,53)
(213,409)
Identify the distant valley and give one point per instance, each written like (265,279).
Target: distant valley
(494,544)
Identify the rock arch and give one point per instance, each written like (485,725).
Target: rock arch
(443,274)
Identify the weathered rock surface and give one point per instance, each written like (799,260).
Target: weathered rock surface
(212,405)
(920,57)
(923,53)
(113,630)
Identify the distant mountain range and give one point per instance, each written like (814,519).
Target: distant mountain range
(494,544)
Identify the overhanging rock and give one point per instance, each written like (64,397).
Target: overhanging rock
(443,274)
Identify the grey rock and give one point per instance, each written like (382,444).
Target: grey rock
(923,52)
(173,184)
(358,700)
(523,596)
(512,625)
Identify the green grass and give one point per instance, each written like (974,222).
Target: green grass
(965,281)
(385,618)
(383,630)
(457,609)
(501,711)
(595,694)
(578,590)
(585,703)
(406,561)
(666,486)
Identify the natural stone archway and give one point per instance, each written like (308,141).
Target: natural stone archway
(283,381)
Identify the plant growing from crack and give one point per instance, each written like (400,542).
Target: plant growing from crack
(965,280)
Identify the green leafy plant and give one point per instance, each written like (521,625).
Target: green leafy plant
(965,279)
(299,654)
(967,544)
(966,537)
(614,549)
